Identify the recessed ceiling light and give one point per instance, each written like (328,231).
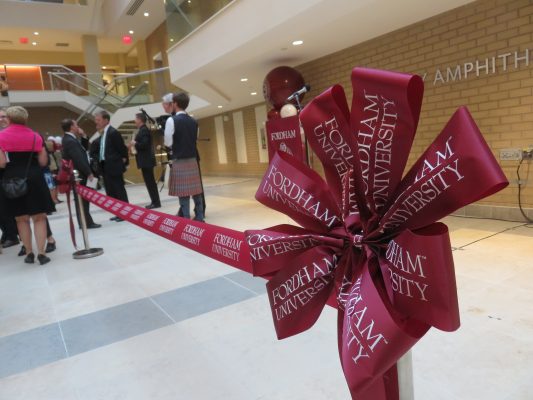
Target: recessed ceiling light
(189,1)
(34,43)
(146,14)
(244,79)
(104,67)
(253,93)
(219,106)
(171,39)
(36,33)
(297,42)
(131,32)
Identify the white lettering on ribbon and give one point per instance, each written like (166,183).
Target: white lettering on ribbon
(226,246)
(359,328)
(150,219)
(300,288)
(282,135)
(334,146)
(168,226)
(280,245)
(439,172)
(126,209)
(406,265)
(192,234)
(137,214)
(379,118)
(281,189)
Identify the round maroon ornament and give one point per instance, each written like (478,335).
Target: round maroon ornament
(280,83)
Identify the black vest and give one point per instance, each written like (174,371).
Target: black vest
(184,137)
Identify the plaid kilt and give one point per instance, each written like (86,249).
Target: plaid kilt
(184,178)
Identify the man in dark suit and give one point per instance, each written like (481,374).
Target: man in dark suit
(145,158)
(74,150)
(112,157)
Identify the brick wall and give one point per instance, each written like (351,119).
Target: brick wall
(501,100)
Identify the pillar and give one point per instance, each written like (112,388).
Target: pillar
(91,58)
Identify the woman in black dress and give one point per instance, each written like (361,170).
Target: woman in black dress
(18,146)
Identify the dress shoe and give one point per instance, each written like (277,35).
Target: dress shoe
(112,218)
(9,243)
(93,226)
(117,219)
(49,247)
(151,206)
(30,258)
(22,251)
(43,259)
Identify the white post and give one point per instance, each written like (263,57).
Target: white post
(405,377)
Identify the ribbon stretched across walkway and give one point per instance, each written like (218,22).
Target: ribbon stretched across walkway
(369,243)
(222,244)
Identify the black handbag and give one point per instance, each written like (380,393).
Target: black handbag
(16,187)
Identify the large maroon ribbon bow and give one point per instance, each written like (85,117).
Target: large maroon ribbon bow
(369,242)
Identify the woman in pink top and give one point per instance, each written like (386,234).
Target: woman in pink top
(18,145)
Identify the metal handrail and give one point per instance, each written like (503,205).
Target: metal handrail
(125,101)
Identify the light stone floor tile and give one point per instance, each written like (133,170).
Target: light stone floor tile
(232,353)
(89,294)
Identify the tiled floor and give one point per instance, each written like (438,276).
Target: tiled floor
(152,320)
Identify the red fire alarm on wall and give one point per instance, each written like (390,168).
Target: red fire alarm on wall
(23,40)
(126,39)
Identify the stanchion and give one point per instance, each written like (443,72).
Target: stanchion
(405,377)
(87,252)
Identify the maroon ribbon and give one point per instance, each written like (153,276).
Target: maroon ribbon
(369,243)
(222,244)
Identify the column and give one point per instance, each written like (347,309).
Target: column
(91,57)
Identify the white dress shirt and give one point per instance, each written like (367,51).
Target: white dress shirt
(169,131)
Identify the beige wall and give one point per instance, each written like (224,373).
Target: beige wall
(158,42)
(501,102)
(208,149)
(47,120)
(58,57)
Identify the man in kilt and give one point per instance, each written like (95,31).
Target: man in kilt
(185,180)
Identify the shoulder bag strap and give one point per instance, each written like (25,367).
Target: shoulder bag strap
(31,155)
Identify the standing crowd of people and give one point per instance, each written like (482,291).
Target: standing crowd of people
(28,192)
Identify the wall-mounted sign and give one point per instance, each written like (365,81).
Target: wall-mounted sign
(504,62)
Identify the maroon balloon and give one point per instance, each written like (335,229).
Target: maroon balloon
(280,83)
(273,114)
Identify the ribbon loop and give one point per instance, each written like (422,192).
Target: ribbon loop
(457,169)
(419,276)
(384,116)
(289,186)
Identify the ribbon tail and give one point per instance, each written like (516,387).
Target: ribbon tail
(225,245)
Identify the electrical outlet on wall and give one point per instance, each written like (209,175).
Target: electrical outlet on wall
(527,153)
(510,154)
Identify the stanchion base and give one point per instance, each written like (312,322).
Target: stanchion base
(87,253)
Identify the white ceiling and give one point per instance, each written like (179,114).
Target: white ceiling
(254,36)
(107,19)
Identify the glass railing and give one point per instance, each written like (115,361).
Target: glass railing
(184,16)
(117,90)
